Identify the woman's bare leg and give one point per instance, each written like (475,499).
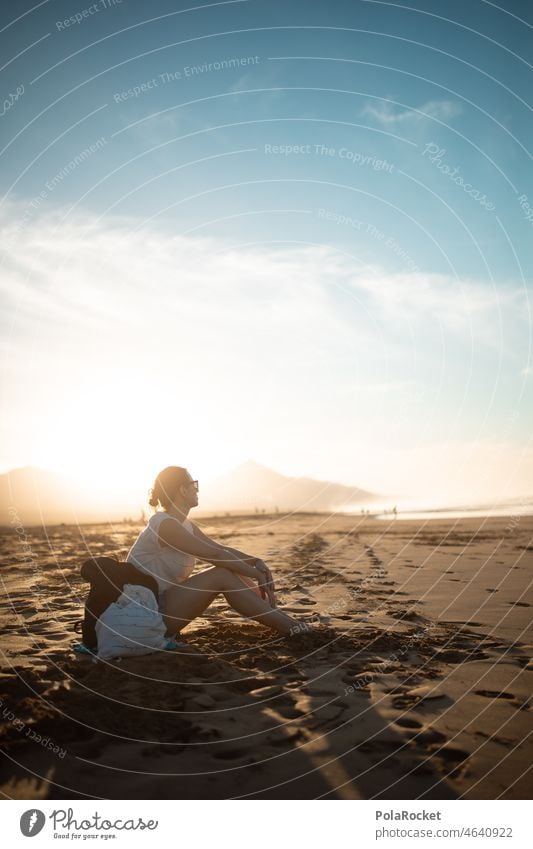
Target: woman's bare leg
(184,602)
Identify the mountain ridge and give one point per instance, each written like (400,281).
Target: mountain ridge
(32,495)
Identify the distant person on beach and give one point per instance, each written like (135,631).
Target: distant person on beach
(168,547)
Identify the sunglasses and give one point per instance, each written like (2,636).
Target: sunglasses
(193,483)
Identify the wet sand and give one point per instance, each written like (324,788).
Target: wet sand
(417,685)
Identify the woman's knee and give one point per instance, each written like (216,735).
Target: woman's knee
(223,578)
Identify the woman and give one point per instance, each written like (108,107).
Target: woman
(168,547)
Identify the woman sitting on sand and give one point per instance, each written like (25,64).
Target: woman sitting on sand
(167,549)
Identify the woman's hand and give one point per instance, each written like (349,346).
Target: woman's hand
(266,582)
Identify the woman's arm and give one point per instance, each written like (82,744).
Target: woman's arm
(234,551)
(173,534)
(266,583)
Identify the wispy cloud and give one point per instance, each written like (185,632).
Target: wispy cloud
(389,115)
(458,303)
(110,273)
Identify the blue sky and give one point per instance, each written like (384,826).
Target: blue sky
(300,232)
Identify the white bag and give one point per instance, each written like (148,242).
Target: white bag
(132,625)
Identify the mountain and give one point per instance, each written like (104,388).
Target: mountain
(251,486)
(33,496)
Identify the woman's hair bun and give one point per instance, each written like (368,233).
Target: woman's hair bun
(153,500)
(166,486)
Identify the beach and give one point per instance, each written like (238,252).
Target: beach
(418,683)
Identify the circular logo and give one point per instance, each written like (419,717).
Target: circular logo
(31,822)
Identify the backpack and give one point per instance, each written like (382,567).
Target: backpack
(132,625)
(108,577)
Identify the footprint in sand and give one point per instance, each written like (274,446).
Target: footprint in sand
(430,735)
(299,589)
(404,701)
(407,722)
(451,755)
(409,615)
(494,694)
(358,681)
(451,656)
(427,693)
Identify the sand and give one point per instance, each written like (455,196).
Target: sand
(417,684)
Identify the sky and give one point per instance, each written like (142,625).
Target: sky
(288,231)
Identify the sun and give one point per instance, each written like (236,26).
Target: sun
(110,449)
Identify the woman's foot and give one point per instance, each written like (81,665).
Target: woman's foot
(176,642)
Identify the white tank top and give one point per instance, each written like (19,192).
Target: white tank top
(167,565)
